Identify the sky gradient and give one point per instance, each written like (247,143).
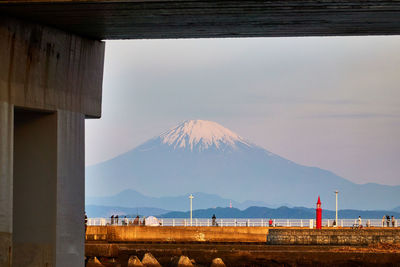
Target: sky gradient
(330,102)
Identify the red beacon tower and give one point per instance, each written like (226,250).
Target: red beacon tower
(319,214)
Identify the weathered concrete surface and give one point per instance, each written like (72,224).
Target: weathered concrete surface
(46,69)
(150,261)
(255,255)
(32,255)
(176,234)
(94,263)
(5,249)
(132,19)
(134,262)
(333,236)
(6,174)
(246,250)
(217,262)
(49,82)
(34,188)
(94,249)
(182,261)
(48,202)
(70,228)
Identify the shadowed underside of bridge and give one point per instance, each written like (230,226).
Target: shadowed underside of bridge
(132,19)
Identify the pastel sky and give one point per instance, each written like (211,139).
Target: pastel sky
(331,102)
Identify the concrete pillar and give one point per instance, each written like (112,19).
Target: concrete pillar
(70,229)
(49,169)
(6,174)
(34,188)
(49,82)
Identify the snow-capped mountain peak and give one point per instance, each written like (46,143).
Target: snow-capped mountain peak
(200,135)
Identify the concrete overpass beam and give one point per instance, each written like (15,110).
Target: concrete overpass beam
(47,69)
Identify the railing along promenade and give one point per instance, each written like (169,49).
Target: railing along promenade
(254,222)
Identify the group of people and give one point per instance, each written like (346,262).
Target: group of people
(137,221)
(125,221)
(115,220)
(388,219)
(214,221)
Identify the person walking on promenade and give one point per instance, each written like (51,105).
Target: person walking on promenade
(214,220)
(112,219)
(116,219)
(136,220)
(383,221)
(144,221)
(387,220)
(359,221)
(126,221)
(270,222)
(393,221)
(86,220)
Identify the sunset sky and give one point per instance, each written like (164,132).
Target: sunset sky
(332,103)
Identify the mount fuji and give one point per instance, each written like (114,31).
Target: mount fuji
(203,156)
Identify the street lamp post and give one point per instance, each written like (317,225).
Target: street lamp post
(336,192)
(191,198)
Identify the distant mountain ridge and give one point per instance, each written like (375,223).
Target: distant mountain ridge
(97,211)
(279,213)
(128,202)
(397,209)
(94,211)
(131,198)
(203,156)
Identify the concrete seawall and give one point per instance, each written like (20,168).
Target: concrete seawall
(113,234)
(333,236)
(244,246)
(272,236)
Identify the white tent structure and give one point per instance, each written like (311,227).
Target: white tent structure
(152,221)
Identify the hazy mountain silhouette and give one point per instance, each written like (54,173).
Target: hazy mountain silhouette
(279,213)
(397,209)
(131,198)
(97,211)
(203,156)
